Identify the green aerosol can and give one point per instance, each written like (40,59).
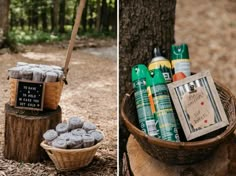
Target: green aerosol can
(160,62)
(180,59)
(163,106)
(146,118)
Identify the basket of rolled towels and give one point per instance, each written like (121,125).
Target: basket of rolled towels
(52,76)
(72,144)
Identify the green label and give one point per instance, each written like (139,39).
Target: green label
(147,120)
(165,113)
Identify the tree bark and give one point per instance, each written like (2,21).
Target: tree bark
(143,26)
(98,19)
(24,133)
(55,15)
(44,16)
(4,24)
(62,16)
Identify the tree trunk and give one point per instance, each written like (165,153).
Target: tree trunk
(55,15)
(105,16)
(114,16)
(62,16)
(44,16)
(84,17)
(4,25)
(98,19)
(143,26)
(24,133)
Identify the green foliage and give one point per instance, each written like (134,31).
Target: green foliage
(27,37)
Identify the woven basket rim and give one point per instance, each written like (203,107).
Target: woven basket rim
(48,147)
(178,145)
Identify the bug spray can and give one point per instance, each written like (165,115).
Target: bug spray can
(180,59)
(164,109)
(159,62)
(146,118)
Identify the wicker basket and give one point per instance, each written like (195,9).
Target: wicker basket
(180,152)
(52,93)
(70,159)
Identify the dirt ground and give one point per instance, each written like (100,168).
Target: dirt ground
(91,93)
(209,29)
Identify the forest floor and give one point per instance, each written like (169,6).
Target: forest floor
(91,93)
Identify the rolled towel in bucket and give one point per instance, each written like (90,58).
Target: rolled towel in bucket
(98,136)
(15,72)
(27,75)
(50,135)
(59,143)
(88,140)
(87,126)
(78,132)
(38,75)
(51,77)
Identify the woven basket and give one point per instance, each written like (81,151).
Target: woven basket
(180,152)
(70,159)
(52,93)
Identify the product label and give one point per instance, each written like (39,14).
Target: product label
(181,65)
(165,68)
(146,118)
(165,113)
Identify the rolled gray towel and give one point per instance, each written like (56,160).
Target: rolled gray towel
(59,73)
(75,122)
(76,141)
(15,72)
(55,67)
(59,143)
(87,126)
(66,136)
(51,77)
(88,140)
(98,136)
(38,75)
(50,135)
(78,132)
(27,75)
(62,128)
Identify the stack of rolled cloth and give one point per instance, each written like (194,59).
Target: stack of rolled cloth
(37,73)
(75,134)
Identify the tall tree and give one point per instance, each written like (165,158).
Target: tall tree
(98,18)
(55,15)
(143,26)
(62,16)
(4,26)
(44,15)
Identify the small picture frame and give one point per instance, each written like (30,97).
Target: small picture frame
(197,102)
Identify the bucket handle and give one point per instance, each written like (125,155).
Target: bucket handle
(80,9)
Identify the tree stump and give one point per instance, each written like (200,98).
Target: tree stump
(143,164)
(23,133)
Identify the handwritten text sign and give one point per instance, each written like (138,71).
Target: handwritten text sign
(199,108)
(30,95)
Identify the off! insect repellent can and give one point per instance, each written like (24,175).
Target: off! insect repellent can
(163,106)
(146,118)
(180,59)
(159,62)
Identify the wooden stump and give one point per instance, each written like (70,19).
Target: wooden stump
(23,133)
(142,164)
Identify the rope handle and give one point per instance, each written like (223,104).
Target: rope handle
(80,9)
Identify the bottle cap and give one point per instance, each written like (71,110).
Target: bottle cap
(157,55)
(139,72)
(155,77)
(179,52)
(179,76)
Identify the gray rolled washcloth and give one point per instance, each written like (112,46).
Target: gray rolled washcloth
(51,77)
(87,126)
(27,75)
(75,122)
(50,135)
(38,75)
(88,140)
(15,72)
(62,127)
(76,142)
(59,143)
(78,132)
(98,136)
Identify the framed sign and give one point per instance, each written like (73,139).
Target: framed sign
(198,105)
(29,95)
